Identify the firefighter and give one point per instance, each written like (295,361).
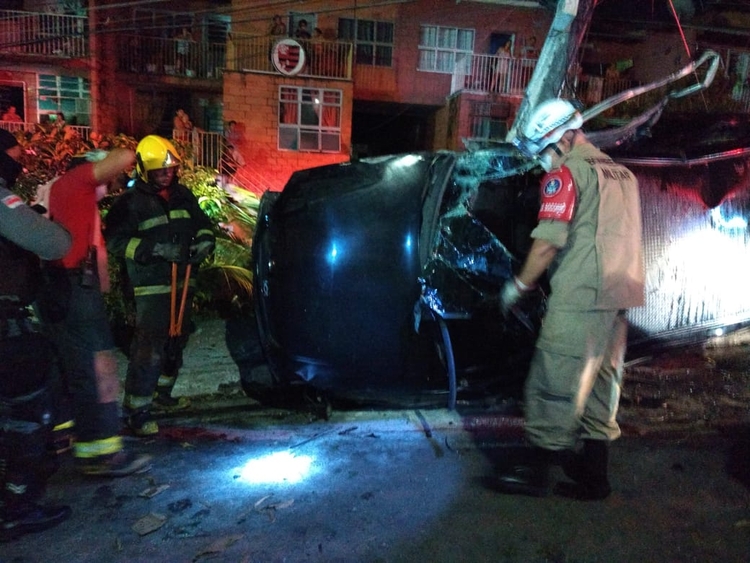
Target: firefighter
(25,401)
(74,315)
(589,237)
(162,234)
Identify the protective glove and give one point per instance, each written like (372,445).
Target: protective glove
(200,250)
(168,251)
(513,291)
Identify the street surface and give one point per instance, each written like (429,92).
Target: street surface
(401,486)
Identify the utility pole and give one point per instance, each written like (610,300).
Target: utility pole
(560,50)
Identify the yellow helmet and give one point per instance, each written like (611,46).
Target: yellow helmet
(153,153)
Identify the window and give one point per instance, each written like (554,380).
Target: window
(68,94)
(489,120)
(309,119)
(373,40)
(438,47)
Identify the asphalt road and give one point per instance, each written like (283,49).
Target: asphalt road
(391,486)
(234,482)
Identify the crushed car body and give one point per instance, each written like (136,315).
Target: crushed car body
(378,279)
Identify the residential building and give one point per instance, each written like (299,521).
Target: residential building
(374,77)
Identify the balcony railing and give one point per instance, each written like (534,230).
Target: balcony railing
(593,89)
(327,59)
(484,74)
(83,131)
(171,57)
(51,35)
(205,148)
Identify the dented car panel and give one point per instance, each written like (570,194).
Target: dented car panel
(386,271)
(355,263)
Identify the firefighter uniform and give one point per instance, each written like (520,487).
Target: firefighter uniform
(143,221)
(573,386)
(589,241)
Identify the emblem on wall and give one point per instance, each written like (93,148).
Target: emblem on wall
(288,57)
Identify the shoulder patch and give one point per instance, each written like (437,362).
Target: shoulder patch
(12,201)
(558,197)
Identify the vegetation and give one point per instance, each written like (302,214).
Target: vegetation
(224,282)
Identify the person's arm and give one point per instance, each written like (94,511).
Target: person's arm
(116,161)
(540,256)
(25,227)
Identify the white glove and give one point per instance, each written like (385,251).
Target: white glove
(513,290)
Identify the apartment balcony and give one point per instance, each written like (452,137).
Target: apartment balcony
(324,59)
(42,34)
(157,56)
(489,74)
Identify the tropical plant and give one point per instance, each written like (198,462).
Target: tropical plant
(225,278)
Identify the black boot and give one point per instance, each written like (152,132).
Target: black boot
(529,478)
(589,471)
(30,517)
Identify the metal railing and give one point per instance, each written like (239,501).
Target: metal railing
(208,149)
(52,35)
(328,59)
(486,74)
(170,57)
(594,89)
(83,131)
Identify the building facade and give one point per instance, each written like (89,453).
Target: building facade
(362,78)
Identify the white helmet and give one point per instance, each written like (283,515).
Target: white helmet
(546,125)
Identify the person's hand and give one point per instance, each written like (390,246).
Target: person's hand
(168,251)
(199,251)
(512,292)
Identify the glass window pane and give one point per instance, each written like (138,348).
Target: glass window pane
(447,38)
(385,32)
(466,39)
(288,138)
(364,54)
(428,36)
(445,61)
(346,29)
(330,142)
(309,115)
(383,55)
(365,30)
(308,141)
(331,97)
(427,60)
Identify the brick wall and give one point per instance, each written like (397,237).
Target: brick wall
(252,100)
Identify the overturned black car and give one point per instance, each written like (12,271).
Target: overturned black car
(374,281)
(377,280)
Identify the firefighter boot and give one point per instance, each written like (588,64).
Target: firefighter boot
(23,484)
(21,518)
(531,478)
(589,471)
(141,423)
(164,402)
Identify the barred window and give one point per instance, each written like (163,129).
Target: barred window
(68,94)
(439,46)
(373,40)
(309,119)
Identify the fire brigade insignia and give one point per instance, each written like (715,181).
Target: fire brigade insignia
(552,187)
(558,194)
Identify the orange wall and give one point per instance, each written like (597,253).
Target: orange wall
(252,100)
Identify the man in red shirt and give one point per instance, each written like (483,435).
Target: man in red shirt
(76,319)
